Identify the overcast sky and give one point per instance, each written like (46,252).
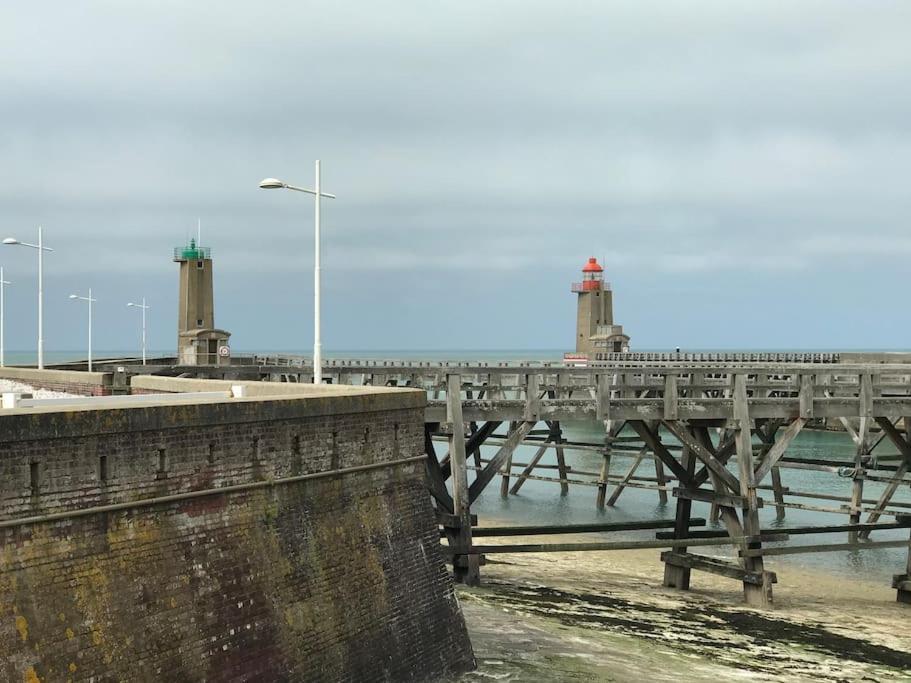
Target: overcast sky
(742,166)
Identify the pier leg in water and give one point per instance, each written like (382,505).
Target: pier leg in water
(674,576)
(605,463)
(465,566)
(759,595)
(903,581)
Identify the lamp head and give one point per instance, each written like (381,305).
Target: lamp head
(11,240)
(271,184)
(130,304)
(73,296)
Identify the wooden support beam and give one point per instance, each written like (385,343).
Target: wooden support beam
(523,476)
(581,528)
(485,476)
(474,443)
(675,575)
(686,561)
(670,396)
(821,548)
(615,545)
(653,441)
(904,448)
(758,595)
(470,572)
(683,435)
(797,530)
(721,499)
(626,477)
(903,583)
(557,438)
(777,450)
(434,477)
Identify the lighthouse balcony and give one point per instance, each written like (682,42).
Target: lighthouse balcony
(590,286)
(192,253)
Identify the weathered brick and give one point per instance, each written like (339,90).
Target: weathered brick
(331,579)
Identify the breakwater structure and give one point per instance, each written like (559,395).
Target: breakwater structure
(238,531)
(715,430)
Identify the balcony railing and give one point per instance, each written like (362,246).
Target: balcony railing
(589,286)
(192,253)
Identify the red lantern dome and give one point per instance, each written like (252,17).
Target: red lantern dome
(592,266)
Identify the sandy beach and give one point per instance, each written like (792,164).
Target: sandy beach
(604,616)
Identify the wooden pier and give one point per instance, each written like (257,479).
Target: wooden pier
(715,430)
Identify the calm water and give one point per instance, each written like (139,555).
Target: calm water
(541,503)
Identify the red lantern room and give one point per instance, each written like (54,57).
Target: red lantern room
(592,277)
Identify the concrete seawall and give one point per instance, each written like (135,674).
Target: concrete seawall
(283,537)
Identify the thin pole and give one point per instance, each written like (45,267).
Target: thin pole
(317,345)
(2,288)
(143,330)
(40,301)
(90,328)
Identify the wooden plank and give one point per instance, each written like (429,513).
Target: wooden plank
(670,396)
(822,548)
(806,396)
(497,461)
(615,545)
(581,528)
(776,452)
(453,521)
(713,565)
(461,499)
(707,496)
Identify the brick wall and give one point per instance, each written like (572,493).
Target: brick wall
(336,578)
(69,381)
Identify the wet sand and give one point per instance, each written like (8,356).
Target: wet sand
(604,616)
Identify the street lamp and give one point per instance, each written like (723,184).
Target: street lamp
(90,301)
(144,309)
(3,284)
(275,184)
(41,249)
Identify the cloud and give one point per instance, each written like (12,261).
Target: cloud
(465,140)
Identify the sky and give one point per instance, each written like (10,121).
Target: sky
(742,167)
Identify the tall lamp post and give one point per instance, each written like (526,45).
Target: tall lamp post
(3,284)
(274,184)
(144,309)
(90,301)
(41,249)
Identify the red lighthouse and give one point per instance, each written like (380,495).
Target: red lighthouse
(596,334)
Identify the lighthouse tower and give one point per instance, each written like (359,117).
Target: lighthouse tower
(596,334)
(199,342)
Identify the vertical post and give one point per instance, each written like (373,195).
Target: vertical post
(902,582)
(679,577)
(90,328)
(40,301)
(865,410)
(317,344)
(758,595)
(465,567)
(2,291)
(143,330)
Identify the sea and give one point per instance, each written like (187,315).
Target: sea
(541,503)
